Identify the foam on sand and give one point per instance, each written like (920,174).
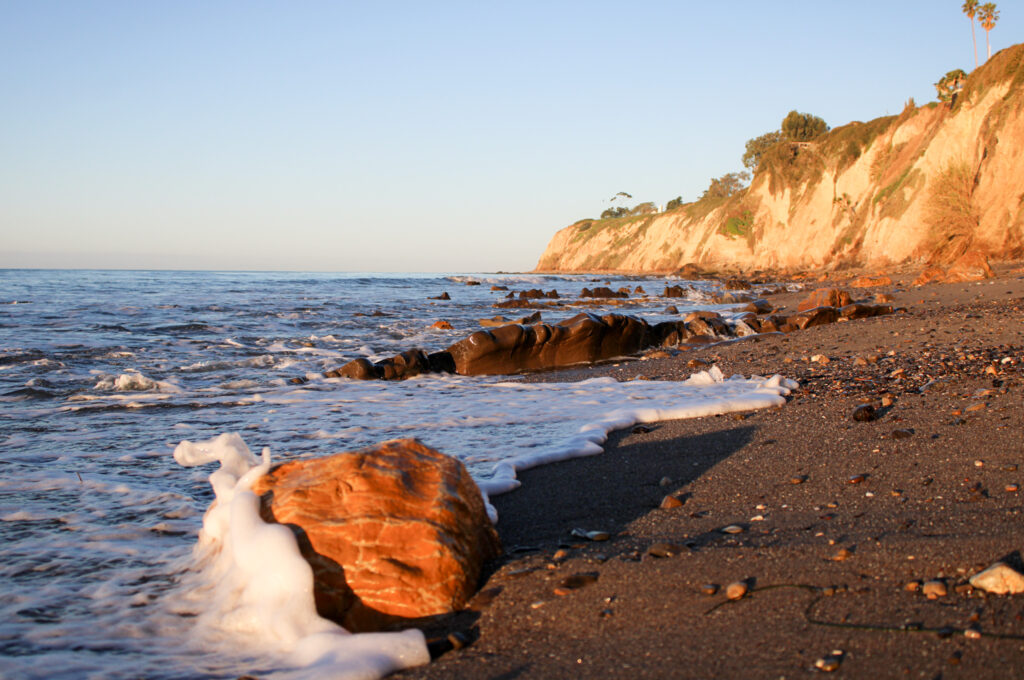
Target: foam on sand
(255,584)
(706,393)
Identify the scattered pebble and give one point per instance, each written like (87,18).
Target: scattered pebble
(665,550)
(903,433)
(736,590)
(934,589)
(709,589)
(857,479)
(560,555)
(665,481)
(830,663)
(577,581)
(864,413)
(591,535)
(972,633)
(670,502)
(912,586)
(798,479)
(841,555)
(732,529)
(1012,488)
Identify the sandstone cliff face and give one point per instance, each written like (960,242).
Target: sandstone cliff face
(924,186)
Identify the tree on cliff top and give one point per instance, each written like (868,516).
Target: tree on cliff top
(803,127)
(970,8)
(988,15)
(757,146)
(796,127)
(950,85)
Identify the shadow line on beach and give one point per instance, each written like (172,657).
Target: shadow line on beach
(608,491)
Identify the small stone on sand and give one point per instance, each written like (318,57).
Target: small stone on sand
(736,590)
(935,589)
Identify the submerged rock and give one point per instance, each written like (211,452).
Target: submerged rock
(392,532)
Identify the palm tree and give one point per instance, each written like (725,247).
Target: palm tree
(988,15)
(970,8)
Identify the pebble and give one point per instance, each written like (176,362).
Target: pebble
(902,434)
(864,413)
(843,554)
(665,550)
(912,586)
(972,633)
(642,429)
(560,555)
(669,502)
(888,401)
(733,529)
(736,590)
(1012,488)
(975,407)
(935,589)
(820,359)
(591,535)
(578,580)
(798,479)
(709,589)
(828,663)
(1000,578)
(665,481)
(857,479)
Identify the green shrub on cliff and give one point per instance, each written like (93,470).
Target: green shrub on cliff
(757,146)
(950,211)
(725,186)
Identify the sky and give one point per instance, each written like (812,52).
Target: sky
(413,136)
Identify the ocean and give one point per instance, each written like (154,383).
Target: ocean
(104,374)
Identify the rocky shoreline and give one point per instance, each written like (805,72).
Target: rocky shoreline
(854,539)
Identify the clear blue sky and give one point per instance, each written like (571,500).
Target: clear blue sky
(412,136)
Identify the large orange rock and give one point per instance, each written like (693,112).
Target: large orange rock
(392,532)
(971,266)
(825,297)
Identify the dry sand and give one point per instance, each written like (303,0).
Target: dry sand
(827,560)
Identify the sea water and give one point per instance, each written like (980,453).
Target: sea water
(107,567)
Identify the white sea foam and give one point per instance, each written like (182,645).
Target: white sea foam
(256,586)
(134,381)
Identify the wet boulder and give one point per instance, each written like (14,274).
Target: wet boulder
(397,531)
(585,338)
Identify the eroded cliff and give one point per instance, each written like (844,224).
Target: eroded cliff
(924,186)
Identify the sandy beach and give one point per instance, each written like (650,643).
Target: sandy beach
(835,525)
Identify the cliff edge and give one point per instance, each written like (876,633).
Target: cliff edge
(921,187)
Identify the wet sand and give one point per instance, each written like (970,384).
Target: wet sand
(837,516)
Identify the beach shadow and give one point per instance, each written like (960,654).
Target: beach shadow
(607,491)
